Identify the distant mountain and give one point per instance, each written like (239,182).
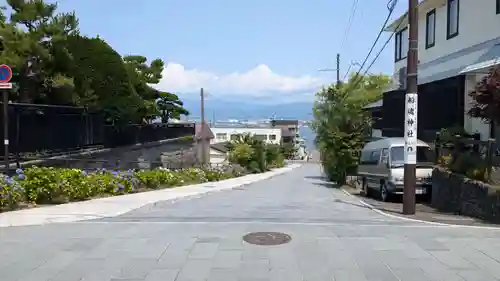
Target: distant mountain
(248,109)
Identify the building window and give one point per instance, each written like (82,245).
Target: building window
(430,29)
(401,47)
(498,6)
(272,137)
(453,18)
(221,136)
(260,137)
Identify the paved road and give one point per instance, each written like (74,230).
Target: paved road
(333,238)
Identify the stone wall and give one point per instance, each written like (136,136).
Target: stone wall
(460,195)
(173,153)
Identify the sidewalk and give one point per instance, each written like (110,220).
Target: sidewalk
(117,205)
(424,212)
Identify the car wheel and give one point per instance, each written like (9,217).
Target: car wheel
(365,188)
(384,193)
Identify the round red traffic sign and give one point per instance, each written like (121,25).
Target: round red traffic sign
(5,73)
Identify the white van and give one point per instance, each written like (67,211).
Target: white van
(381,167)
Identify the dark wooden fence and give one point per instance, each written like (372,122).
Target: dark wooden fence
(39,130)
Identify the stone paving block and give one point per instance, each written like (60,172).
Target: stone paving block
(439,271)
(348,275)
(282,258)
(136,268)
(255,253)
(256,269)
(173,259)
(52,267)
(476,275)
(195,270)
(341,260)
(452,260)
(223,274)
(78,269)
(430,244)
(227,259)
(411,274)
(481,260)
(162,275)
(286,274)
(375,269)
(203,250)
(232,244)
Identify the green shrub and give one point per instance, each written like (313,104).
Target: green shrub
(241,154)
(254,154)
(44,185)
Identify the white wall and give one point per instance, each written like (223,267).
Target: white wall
(478,23)
(224,134)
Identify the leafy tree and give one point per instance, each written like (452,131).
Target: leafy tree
(53,64)
(289,150)
(30,45)
(101,80)
(340,123)
(486,98)
(241,154)
(170,106)
(262,155)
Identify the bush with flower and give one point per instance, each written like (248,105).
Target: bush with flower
(49,185)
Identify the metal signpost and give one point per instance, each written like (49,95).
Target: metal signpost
(5,86)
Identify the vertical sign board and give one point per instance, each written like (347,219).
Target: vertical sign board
(411,106)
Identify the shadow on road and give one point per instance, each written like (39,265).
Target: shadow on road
(315,178)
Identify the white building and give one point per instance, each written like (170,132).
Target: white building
(459,41)
(224,134)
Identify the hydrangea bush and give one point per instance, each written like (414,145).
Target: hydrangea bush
(49,185)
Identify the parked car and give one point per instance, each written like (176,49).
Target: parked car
(381,168)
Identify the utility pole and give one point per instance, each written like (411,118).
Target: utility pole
(411,111)
(338,69)
(203,129)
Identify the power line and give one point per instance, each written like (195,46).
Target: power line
(349,23)
(390,6)
(383,47)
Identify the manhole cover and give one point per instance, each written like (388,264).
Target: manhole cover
(267,238)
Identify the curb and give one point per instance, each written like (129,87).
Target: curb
(438,224)
(39,216)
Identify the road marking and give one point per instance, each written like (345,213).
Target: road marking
(256,222)
(438,224)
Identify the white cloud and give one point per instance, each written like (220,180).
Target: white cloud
(260,81)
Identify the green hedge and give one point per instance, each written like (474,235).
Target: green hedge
(48,185)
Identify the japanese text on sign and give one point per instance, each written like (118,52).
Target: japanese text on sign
(411,117)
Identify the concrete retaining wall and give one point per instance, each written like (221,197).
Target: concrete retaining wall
(173,153)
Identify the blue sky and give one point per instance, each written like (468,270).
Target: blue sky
(252,49)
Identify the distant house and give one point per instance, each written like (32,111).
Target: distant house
(228,133)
